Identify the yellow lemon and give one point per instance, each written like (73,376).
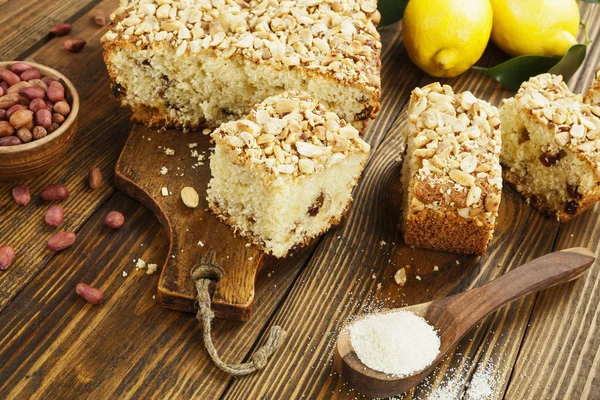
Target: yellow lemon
(446,37)
(541,27)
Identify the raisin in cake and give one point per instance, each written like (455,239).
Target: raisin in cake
(452,179)
(191,63)
(551,143)
(285,173)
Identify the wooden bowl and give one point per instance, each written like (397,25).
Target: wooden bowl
(28,160)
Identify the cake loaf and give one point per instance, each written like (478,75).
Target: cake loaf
(452,179)
(551,147)
(193,63)
(285,173)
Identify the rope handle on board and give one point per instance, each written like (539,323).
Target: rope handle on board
(202,278)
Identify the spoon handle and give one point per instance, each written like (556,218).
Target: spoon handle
(539,274)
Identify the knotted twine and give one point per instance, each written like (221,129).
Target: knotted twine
(202,279)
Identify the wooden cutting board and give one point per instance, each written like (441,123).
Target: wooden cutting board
(194,234)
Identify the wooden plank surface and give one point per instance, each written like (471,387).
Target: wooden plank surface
(52,345)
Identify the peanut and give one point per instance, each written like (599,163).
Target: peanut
(57,118)
(190,197)
(54,216)
(114,220)
(9,141)
(14,109)
(9,100)
(30,74)
(38,83)
(21,118)
(54,192)
(43,118)
(1,91)
(7,255)
(53,127)
(61,241)
(95,178)
(6,129)
(9,77)
(61,29)
(37,104)
(63,108)
(32,92)
(20,67)
(100,17)
(18,87)
(39,132)
(74,44)
(89,293)
(24,135)
(3,115)
(55,92)
(21,195)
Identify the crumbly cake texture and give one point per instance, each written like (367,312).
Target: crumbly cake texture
(285,173)
(193,63)
(551,147)
(452,179)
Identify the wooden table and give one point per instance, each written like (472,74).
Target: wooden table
(53,345)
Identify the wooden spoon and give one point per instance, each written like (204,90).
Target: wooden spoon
(454,316)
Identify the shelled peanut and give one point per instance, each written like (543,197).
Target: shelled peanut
(31,106)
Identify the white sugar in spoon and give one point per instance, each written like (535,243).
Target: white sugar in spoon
(453,317)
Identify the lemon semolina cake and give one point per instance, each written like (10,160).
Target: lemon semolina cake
(285,173)
(592,96)
(452,178)
(193,63)
(551,147)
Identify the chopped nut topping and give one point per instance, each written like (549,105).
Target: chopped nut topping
(299,138)
(336,37)
(574,124)
(454,148)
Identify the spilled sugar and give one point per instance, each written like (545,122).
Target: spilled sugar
(396,343)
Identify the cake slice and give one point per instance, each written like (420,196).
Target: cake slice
(551,143)
(452,178)
(592,96)
(285,173)
(192,63)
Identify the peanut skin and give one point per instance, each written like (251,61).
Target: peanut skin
(95,178)
(114,220)
(21,195)
(89,293)
(7,255)
(54,192)
(61,241)
(54,216)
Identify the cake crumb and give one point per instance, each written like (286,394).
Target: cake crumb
(192,145)
(206,131)
(200,243)
(125,274)
(164,191)
(169,152)
(151,269)
(163,170)
(400,277)
(436,268)
(382,243)
(140,264)
(418,277)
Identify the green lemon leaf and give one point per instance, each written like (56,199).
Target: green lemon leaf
(519,69)
(391,11)
(592,1)
(571,61)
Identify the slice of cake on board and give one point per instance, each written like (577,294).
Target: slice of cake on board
(285,173)
(551,147)
(452,179)
(192,63)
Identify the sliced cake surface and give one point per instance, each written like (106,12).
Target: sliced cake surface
(593,94)
(285,173)
(452,178)
(551,147)
(189,63)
